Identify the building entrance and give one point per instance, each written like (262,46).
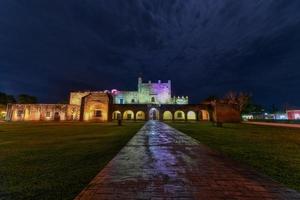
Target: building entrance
(153,114)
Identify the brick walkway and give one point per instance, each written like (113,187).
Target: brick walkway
(162,163)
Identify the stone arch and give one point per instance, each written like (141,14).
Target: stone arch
(128,115)
(191,115)
(140,115)
(56,116)
(204,115)
(95,112)
(27,113)
(116,114)
(154,114)
(179,115)
(167,115)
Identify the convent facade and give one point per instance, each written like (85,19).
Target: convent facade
(151,101)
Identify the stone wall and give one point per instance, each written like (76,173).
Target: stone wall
(75,97)
(2,111)
(181,100)
(127,97)
(96,107)
(42,112)
(163,112)
(161,92)
(147,93)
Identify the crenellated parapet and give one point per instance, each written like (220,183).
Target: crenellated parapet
(181,100)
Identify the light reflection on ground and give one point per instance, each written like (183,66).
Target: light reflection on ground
(161,162)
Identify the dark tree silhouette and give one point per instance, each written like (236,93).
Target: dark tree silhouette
(5,99)
(242,99)
(24,98)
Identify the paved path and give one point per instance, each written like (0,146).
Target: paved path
(160,162)
(274,124)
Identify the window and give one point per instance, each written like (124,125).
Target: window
(20,113)
(98,113)
(152,99)
(121,101)
(128,116)
(179,115)
(48,114)
(132,100)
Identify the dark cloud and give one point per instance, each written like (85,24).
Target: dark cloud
(48,48)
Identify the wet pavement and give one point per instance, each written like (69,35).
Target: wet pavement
(160,162)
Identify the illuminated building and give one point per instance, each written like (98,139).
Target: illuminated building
(148,93)
(293,114)
(150,101)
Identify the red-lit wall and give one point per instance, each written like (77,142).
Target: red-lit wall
(292,114)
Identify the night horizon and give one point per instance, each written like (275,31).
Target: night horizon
(149,99)
(50,48)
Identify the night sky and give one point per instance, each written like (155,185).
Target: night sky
(206,47)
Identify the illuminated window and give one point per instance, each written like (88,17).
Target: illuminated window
(152,99)
(48,114)
(98,113)
(179,115)
(20,113)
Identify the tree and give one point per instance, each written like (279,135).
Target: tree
(11,99)
(274,109)
(252,108)
(212,98)
(242,99)
(24,99)
(5,99)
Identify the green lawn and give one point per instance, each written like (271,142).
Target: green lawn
(274,151)
(56,160)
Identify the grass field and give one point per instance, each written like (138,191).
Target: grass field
(274,151)
(56,160)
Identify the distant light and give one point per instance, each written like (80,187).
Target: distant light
(247,117)
(114,91)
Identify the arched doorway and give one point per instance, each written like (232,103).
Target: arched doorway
(116,115)
(204,115)
(153,114)
(167,115)
(95,111)
(128,115)
(179,115)
(140,115)
(56,116)
(191,115)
